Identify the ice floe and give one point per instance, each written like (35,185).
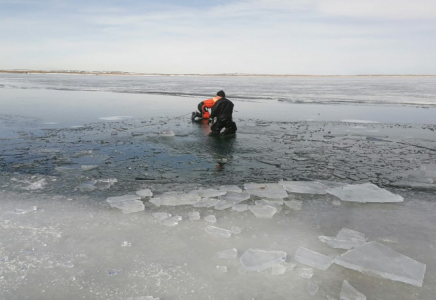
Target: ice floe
(218,232)
(376,259)
(207,193)
(313,259)
(266,190)
(258,260)
(263,211)
(304,187)
(363,193)
(345,239)
(231,188)
(144,193)
(348,292)
(175,198)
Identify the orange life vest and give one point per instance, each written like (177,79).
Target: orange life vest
(209,103)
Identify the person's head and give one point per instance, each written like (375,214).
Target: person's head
(221,94)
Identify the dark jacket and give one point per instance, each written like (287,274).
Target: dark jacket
(223,110)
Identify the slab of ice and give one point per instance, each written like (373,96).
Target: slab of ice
(312,288)
(175,198)
(19,211)
(235,197)
(122,198)
(37,185)
(274,203)
(194,215)
(240,207)
(305,272)
(210,219)
(218,232)
(366,192)
(294,204)
(87,186)
(266,190)
(336,243)
(223,204)
(89,167)
(206,202)
(278,270)
(263,211)
(222,269)
(231,253)
(129,207)
(144,193)
(258,260)
(313,259)
(349,234)
(168,132)
(231,188)
(376,259)
(348,292)
(207,193)
(304,187)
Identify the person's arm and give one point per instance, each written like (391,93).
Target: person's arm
(215,110)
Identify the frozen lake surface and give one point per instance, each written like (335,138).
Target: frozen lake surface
(119,196)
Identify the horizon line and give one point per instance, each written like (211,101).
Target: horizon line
(81,72)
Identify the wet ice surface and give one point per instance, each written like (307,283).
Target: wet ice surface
(72,244)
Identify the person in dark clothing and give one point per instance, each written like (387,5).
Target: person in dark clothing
(221,116)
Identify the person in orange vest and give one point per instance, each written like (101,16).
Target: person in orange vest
(203,107)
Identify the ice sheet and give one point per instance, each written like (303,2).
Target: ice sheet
(258,260)
(294,204)
(313,259)
(366,192)
(235,197)
(175,199)
(130,206)
(348,292)
(266,190)
(263,211)
(206,202)
(304,187)
(207,193)
(376,259)
(231,188)
(144,193)
(122,198)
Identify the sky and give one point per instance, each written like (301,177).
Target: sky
(301,37)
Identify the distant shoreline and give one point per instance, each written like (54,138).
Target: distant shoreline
(117,73)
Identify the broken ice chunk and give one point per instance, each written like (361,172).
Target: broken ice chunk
(235,197)
(336,202)
(222,269)
(126,244)
(175,198)
(210,219)
(348,292)
(222,204)
(19,211)
(161,215)
(304,187)
(313,259)
(168,132)
(277,203)
(129,207)
(376,259)
(294,204)
(337,243)
(305,272)
(366,192)
(258,260)
(231,253)
(266,190)
(37,185)
(207,193)
(194,215)
(231,188)
(218,232)
(206,202)
(122,198)
(240,207)
(87,186)
(236,230)
(263,211)
(89,167)
(144,193)
(312,288)
(278,270)
(171,221)
(348,234)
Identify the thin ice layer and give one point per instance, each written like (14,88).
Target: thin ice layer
(313,259)
(129,207)
(263,211)
(366,192)
(231,188)
(336,243)
(175,198)
(123,198)
(206,202)
(235,197)
(348,292)
(376,259)
(266,190)
(207,193)
(349,234)
(258,260)
(304,187)
(218,232)
(144,193)
(231,253)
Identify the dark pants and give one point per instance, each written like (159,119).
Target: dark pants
(228,124)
